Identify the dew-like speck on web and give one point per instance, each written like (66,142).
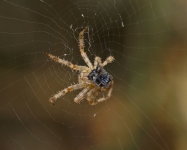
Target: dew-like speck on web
(122,24)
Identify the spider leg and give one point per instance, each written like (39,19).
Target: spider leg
(109,59)
(81,95)
(97,61)
(66,90)
(66,63)
(81,44)
(91,96)
(105,98)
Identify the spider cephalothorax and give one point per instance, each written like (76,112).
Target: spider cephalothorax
(92,79)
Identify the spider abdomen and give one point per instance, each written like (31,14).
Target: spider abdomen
(100,77)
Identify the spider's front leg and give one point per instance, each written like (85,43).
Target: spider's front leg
(66,63)
(66,90)
(81,44)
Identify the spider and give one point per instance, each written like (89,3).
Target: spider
(93,79)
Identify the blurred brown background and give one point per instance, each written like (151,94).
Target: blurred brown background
(147,109)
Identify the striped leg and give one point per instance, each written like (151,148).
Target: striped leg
(81,95)
(107,97)
(66,63)
(91,95)
(109,59)
(81,44)
(97,61)
(66,90)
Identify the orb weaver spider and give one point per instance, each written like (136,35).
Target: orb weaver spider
(93,79)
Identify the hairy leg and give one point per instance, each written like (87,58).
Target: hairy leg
(81,44)
(91,95)
(97,61)
(66,90)
(107,97)
(81,95)
(109,59)
(66,63)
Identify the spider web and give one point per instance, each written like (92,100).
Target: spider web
(147,109)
